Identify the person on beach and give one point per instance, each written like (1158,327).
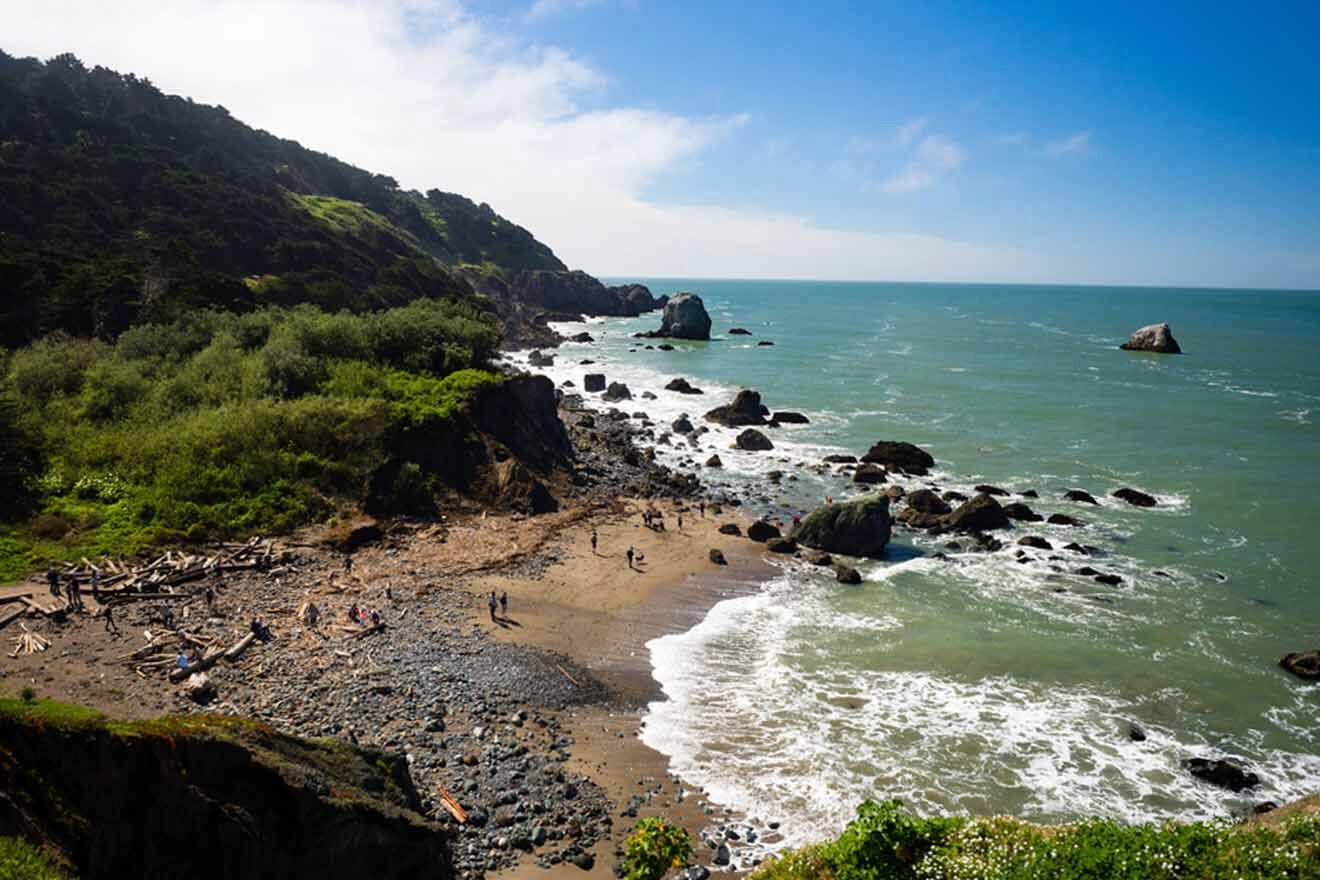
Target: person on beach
(593,541)
(354,614)
(490,601)
(630,556)
(71,591)
(680,522)
(504,604)
(375,617)
(110,625)
(96,584)
(797,520)
(53,580)
(348,563)
(701,508)
(209,595)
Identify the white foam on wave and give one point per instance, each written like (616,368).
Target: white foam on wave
(753,718)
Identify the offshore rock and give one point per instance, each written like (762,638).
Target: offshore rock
(1304,664)
(900,456)
(746,409)
(685,317)
(981,514)
(1135,497)
(752,440)
(1153,337)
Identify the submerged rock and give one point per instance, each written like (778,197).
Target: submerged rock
(1135,497)
(1153,337)
(1079,496)
(845,574)
(788,417)
(1223,773)
(855,528)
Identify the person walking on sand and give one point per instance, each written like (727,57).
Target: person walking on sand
(490,601)
(701,508)
(96,584)
(593,541)
(504,604)
(680,522)
(53,580)
(630,556)
(110,625)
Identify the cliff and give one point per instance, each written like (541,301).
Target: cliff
(206,796)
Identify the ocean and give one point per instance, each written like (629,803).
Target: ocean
(988,683)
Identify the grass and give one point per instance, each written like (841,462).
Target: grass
(221,425)
(347,217)
(20,860)
(885,841)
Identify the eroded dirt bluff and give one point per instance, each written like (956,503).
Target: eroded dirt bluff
(206,796)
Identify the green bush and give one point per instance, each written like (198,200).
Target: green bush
(886,842)
(20,860)
(654,848)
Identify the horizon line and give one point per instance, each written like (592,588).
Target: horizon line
(825,280)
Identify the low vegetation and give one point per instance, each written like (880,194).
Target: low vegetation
(20,860)
(219,424)
(885,842)
(654,849)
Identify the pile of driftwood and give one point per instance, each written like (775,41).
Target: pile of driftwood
(161,652)
(28,643)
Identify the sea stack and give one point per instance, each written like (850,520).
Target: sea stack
(685,317)
(854,528)
(1154,337)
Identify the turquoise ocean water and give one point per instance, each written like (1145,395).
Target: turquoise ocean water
(984,684)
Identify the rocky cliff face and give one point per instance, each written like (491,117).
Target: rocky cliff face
(207,797)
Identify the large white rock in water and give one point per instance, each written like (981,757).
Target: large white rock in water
(685,317)
(1155,337)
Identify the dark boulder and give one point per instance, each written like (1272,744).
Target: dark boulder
(1081,497)
(845,574)
(1135,497)
(789,417)
(682,425)
(1030,493)
(685,317)
(1136,733)
(762,531)
(900,456)
(1225,774)
(981,514)
(682,386)
(730,529)
(1304,664)
(1109,580)
(1074,547)
(855,528)
(840,459)
(593,382)
(781,545)
(540,359)
(926,501)
(1153,337)
(1020,512)
(739,331)
(869,474)
(765,343)
(992,490)
(954,497)
(617,391)
(746,409)
(582,337)
(714,462)
(752,440)
(1035,541)
(717,557)
(1062,519)
(815,557)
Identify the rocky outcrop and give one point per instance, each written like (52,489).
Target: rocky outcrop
(1021,512)
(981,514)
(209,797)
(537,358)
(788,417)
(854,528)
(1135,497)
(1303,664)
(522,415)
(762,531)
(1153,337)
(926,501)
(684,317)
(746,409)
(616,392)
(579,293)
(519,490)
(682,386)
(900,456)
(752,440)
(1080,496)
(593,382)
(1225,774)
(1035,541)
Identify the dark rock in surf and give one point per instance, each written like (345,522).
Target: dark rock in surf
(1030,493)
(682,386)
(860,527)
(1081,497)
(815,557)
(1021,512)
(730,529)
(765,342)
(847,575)
(926,501)
(1223,773)
(616,392)
(1062,519)
(582,337)
(781,545)
(1035,541)
(869,474)
(1136,733)
(714,462)
(746,409)
(540,359)
(684,317)
(840,459)
(1109,580)
(1135,497)
(682,425)
(900,456)
(739,331)
(1153,337)
(788,417)
(752,440)
(954,497)
(762,531)
(981,514)
(1303,664)
(992,490)
(593,382)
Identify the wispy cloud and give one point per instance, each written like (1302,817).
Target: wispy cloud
(911,130)
(935,157)
(1012,139)
(1080,142)
(546,8)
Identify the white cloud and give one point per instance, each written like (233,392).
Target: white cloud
(426,92)
(935,157)
(908,131)
(1079,142)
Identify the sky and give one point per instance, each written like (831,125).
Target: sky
(1172,143)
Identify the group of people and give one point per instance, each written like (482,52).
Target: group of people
(363,617)
(503,600)
(654,519)
(72,587)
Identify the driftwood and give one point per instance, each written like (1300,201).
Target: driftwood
(28,642)
(209,659)
(236,650)
(369,630)
(455,809)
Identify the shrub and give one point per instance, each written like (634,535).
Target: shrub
(20,860)
(654,848)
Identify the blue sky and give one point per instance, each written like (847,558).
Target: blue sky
(1170,143)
